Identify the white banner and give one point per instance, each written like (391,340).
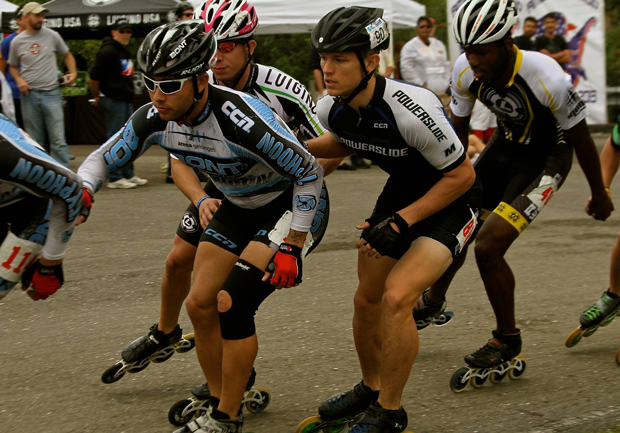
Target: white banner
(582,23)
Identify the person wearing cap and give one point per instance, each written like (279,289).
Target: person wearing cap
(35,50)
(4,67)
(424,59)
(184,11)
(112,76)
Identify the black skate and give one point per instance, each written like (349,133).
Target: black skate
(597,315)
(426,313)
(378,420)
(183,411)
(154,346)
(339,410)
(495,360)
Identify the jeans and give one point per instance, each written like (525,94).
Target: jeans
(42,112)
(116,114)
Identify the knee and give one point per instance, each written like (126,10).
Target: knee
(224,301)
(199,308)
(487,252)
(366,300)
(176,262)
(396,299)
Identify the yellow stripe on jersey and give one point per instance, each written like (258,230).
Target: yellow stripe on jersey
(552,106)
(458,83)
(513,216)
(518,61)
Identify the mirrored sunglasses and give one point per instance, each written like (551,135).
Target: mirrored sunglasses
(167,87)
(226,47)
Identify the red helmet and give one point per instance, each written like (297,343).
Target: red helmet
(229,19)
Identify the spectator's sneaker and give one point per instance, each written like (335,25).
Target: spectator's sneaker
(138,181)
(121,184)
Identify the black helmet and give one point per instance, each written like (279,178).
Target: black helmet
(182,7)
(351,29)
(179,49)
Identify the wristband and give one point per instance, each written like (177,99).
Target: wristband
(400,222)
(607,190)
(200,202)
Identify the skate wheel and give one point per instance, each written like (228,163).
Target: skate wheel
(477,381)
(496,378)
(138,368)
(590,331)
(457,384)
(186,344)
(618,357)
(518,365)
(113,374)
(254,406)
(175,414)
(444,319)
(574,338)
(162,356)
(309,425)
(164,167)
(608,319)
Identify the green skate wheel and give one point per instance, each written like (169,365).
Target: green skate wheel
(309,425)
(590,331)
(164,168)
(258,406)
(519,364)
(457,384)
(609,319)
(477,381)
(574,337)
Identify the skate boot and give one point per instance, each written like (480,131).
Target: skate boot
(339,410)
(426,313)
(495,360)
(218,422)
(376,419)
(183,411)
(154,346)
(597,315)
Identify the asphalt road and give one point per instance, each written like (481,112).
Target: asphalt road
(52,353)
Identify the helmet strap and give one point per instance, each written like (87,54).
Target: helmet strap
(197,97)
(362,85)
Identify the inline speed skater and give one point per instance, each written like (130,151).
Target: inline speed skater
(233,24)
(607,307)
(414,232)
(40,200)
(271,187)
(541,120)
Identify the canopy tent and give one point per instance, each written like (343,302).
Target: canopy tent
(6,6)
(92,19)
(300,16)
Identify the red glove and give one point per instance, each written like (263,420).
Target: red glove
(288,266)
(45,280)
(87,203)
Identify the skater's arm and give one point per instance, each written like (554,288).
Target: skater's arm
(599,206)
(188,183)
(610,161)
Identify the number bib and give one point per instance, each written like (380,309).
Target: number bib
(16,255)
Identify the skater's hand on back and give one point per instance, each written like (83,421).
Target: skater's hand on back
(43,278)
(600,208)
(286,267)
(87,203)
(378,238)
(206,210)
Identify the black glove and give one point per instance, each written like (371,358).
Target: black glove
(382,237)
(87,203)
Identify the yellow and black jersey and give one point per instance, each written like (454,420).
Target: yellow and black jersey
(537,104)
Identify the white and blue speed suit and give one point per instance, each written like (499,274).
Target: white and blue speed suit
(251,156)
(39,202)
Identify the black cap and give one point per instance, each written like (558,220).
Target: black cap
(121,23)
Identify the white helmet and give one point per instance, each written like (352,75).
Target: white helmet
(484,21)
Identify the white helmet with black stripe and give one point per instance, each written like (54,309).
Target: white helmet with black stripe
(484,21)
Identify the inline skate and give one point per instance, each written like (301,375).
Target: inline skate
(184,411)
(340,410)
(494,361)
(210,423)
(600,314)
(153,347)
(426,313)
(376,419)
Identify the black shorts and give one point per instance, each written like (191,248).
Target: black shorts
(452,226)
(518,181)
(233,227)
